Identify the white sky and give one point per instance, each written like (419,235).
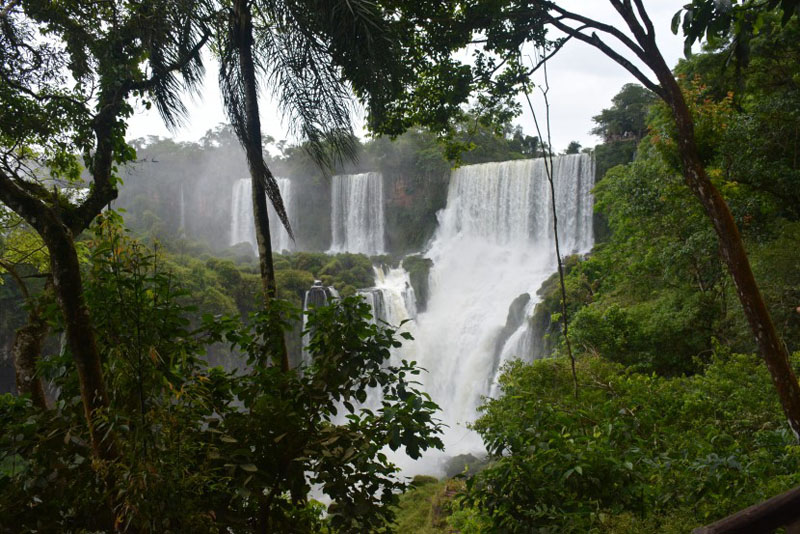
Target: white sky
(582,82)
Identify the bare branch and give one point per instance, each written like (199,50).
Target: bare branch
(605,28)
(626,11)
(7,8)
(598,43)
(548,167)
(648,24)
(541,61)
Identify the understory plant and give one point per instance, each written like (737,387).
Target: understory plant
(234,448)
(633,452)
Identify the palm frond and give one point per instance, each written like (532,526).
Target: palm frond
(173,56)
(309,89)
(232,87)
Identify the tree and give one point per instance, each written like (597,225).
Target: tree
(112,51)
(312,53)
(499,70)
(626,119)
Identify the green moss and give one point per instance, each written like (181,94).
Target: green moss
(427,507)
(418,269)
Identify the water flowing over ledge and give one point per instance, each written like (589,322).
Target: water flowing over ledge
(357,220)
(494,243)
(243,225)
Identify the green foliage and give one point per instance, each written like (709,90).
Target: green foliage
(202,449)
(657,452)
(718,21)
(658,292)
(432,508)
(626,119)
(418,269)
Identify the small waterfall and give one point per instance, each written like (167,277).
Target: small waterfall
(182,228)
(357,221)
(242,230)
(493,244)
(392,299)
(280,237)
(243,224)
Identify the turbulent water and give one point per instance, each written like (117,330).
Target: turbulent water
(242,222)
(357,221)
(494,243)
(392,298)
(492,250)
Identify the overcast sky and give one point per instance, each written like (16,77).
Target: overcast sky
(582,82)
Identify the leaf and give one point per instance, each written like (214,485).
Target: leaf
(250,468)
(676,22)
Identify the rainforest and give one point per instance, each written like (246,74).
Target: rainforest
(416,313)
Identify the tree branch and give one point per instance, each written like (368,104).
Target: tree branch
(539,63)
(31,209)
(627,13)
(7,8)
(606,28)
(648,24)
(598,43)
(20,282)
(151,82)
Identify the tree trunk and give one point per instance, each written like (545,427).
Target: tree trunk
(258,169)
(81,340)
(264,240)
(770,346)
(26,349)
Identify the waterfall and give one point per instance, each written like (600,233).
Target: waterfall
(242,230)
(357,213)
(493,244)
(242,222)
(392,298)
(182,213)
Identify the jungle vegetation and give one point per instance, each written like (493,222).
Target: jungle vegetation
(154,387)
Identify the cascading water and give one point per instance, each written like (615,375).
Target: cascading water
(242,223)
(357,222)
(183,212)
(392,298)
(493,244)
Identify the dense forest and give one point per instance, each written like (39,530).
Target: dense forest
(240,334)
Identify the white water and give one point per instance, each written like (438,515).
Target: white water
(183,213)
(392,298)
(242,222)
(494,242)
(357,222)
